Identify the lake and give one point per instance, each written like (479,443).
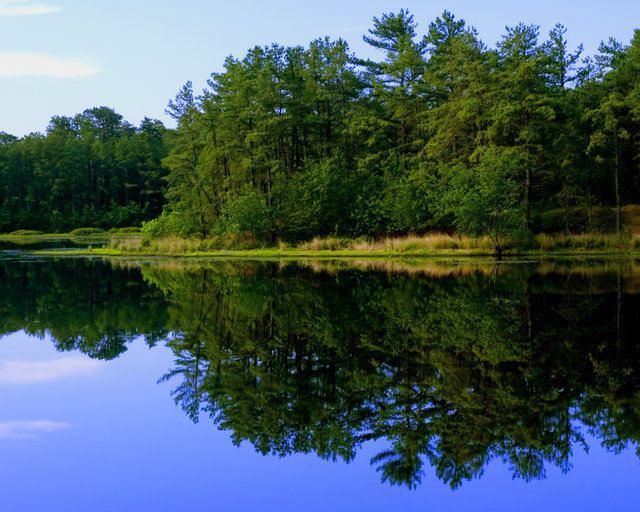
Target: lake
(318,385)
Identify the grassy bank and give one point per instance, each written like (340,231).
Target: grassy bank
(131,241)
(412,245)
(22,234)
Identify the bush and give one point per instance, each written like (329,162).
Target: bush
(578,220)
(126,230)
(249,214)
(121,216)
(86,231)
(25,232)
(169,224)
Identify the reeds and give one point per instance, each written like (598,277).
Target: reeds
(429,244)
(586,241)
(165,245)
(432,242)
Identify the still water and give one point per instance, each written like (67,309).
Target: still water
(162,385)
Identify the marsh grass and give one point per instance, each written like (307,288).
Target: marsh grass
(588,241)
(412,244)
(326,244)
(165,245)
(432,244)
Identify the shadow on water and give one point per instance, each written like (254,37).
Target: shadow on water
(454,365)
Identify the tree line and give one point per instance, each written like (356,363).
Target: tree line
(441,132)
(93,169)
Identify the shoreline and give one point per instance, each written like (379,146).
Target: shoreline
(410,247)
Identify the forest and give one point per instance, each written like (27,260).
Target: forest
(440,133)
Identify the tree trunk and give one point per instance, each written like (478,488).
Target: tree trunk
(616,177)
(527,193)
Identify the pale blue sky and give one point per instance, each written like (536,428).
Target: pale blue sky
(59,57)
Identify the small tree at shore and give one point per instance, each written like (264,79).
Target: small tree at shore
(484,200)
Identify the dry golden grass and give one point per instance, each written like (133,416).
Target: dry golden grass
(325,244)
(589,241)
(631,218)
(428,245)
(432,242)
(166,245)
(130,244)
(441,243)
(174,245)
(545,242)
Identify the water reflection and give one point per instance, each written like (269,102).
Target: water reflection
(82,304)
(453,365)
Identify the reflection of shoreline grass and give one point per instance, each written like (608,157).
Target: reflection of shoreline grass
(580,275)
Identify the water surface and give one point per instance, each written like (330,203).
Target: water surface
(364,386)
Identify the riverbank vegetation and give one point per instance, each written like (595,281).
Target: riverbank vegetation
(409,246)
(526,143)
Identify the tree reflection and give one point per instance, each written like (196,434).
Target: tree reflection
(81,304)
(453,372)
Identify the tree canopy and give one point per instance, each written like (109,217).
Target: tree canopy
(288,143)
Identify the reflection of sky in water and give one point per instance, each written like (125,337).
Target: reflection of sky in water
(30,372)
(88,435)
(28,429)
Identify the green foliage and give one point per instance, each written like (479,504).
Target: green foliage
(86,231)
(174,223)
(248,214)
(25,232)
(292,143)
(121,216)
(485,199)
(442,132)
(126,230)
(314,203)
(90,170)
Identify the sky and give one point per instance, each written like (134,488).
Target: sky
(60,57)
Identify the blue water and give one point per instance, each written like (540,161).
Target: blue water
(78,434)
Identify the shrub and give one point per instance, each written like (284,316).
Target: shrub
(126,230)
(120,216)
(169,224)
(248,213)
(86,231)
(25,232)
